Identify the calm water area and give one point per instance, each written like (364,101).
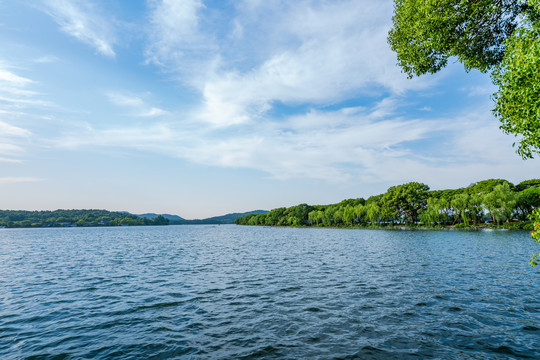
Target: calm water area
(234,292)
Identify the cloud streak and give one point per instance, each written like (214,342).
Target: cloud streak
(334,146)
(14,96)
(82,21)
(136,104)
(13,79)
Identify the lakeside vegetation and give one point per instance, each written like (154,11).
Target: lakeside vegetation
(493,203)
(73,218)
(499,37)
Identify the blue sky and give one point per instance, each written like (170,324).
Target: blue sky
(201,108)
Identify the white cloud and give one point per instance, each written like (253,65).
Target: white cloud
(10,130)
(176,37)
(139,106)
(321,145)
(334,51)
(82,21)
(309,52)
(14,86)
(10,139)
(348,145)
(14,96)
(148,137)
(13,79)
(18,102)
(153,112)
(124,100)
(46,59)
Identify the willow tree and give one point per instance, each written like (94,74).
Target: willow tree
(497,36)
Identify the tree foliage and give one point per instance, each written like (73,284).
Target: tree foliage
(517,102)
(495,200)
(405,201)
(499,35)
(500,203)
(427,32)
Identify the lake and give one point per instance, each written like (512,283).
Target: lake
(233,292)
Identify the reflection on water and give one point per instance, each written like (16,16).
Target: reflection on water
(251,292)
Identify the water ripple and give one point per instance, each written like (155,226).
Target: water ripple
(205,292)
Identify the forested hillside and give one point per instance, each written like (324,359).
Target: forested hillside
(71,218)
(495,201)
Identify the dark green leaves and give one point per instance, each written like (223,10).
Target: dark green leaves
(427,32)
(517,103)
(482,34)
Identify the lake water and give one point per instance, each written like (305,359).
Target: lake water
(209,292)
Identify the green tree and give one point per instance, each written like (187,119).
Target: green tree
(373,212)
(349,215)
(474,208)
(446,206)
(338,216)
(254,220)
(274,216)
(427,33)
(485,186)
(360,212)
(500,203)
(527,200)
(243,220)
(460,204)
(312,217)
(535,235)
(517,102)
(298,215)
(328,216)
(433,214)
(159,220)
(405,201)
(527,184)
(483,34)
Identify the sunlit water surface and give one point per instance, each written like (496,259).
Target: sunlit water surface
(208,292)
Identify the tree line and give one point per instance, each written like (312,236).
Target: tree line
(73,218)
(496,202)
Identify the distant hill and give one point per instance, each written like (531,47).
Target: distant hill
(224,219)
(74,218)
(166,216)
(84,218)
